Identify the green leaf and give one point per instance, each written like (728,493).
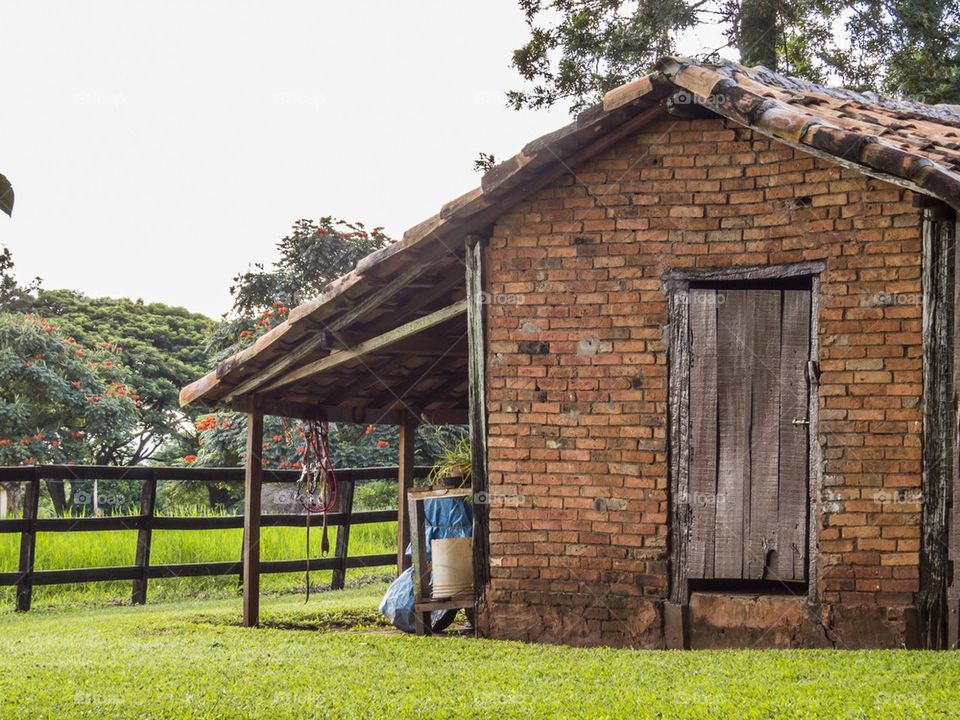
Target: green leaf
(6,195)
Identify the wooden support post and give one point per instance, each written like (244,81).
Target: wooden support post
(251,517)
(938,433)
(342,548)
(148,502)
(408,433)
(28,543)
(476,368)
(421,570)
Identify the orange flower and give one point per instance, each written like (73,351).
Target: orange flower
(190,458)
(382,443)
(245,333)
(370,429)
(39,436)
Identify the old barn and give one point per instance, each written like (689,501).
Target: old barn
(704,339)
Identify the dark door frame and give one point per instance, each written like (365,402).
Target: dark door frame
(676,284)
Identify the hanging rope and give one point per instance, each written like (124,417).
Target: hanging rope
(317,486)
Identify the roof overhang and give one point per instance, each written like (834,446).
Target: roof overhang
(388,338)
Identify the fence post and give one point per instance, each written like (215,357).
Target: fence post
(343,534)
(28,542)
(148,503)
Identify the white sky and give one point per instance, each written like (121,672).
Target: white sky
(157,148)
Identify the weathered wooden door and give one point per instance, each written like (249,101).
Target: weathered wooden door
(748,474)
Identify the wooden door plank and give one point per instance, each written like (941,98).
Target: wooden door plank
(702,493)
(734,369)
(794,481)
(761,501)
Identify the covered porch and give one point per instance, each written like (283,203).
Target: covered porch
(398,341)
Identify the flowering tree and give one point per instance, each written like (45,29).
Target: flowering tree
(59,401)
(312,255)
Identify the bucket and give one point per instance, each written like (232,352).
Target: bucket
(452,566)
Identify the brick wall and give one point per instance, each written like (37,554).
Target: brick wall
(577,373)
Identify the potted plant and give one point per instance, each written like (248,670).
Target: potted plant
(453,466)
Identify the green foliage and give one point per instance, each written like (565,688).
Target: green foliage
(454,460)
(59,401)
(375,495)
(310,257)
(908,48)
(162,346)
(6,195)
(13,296)
(579,49)
(222,443)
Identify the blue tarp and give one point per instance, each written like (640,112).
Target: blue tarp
(443,518)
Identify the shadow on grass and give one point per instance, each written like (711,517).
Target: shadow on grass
(326,620)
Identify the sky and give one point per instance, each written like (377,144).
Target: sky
(158,148)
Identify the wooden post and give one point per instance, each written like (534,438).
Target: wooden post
(408,429)
(28,543)
(251,517)
(342,549)
(421,581)
(938,450)
(148,502)
(476,368)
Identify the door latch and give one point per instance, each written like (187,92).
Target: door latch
(799,421)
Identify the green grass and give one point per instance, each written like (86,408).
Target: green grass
(191,659)
(102,549)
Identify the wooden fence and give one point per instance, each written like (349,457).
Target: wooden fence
(26,576)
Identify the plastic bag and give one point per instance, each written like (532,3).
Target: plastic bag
(443,518)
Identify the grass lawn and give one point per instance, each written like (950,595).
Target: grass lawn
(191,659)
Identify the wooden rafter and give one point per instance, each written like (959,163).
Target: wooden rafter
(367,347)
(354,313)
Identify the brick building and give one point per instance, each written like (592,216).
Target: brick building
(705,344)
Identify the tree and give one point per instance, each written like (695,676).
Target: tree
(311,256)
(579,49)
(59,401)
(14,296)
(912,46)
(163,347)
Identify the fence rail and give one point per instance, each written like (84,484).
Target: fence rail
(142,571)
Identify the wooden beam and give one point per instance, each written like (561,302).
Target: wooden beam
(938,450)
(476,392)
(251,517)
(344,320)
(408,434)
(370,346)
